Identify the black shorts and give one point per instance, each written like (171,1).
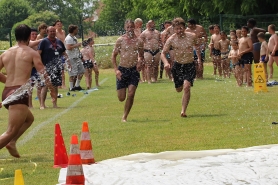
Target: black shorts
(276,53)
(246,58)
(216,52)
(183,72)
(203,55)
(130,76)
(88,64)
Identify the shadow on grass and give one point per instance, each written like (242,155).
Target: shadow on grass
(147,121)
(205,115)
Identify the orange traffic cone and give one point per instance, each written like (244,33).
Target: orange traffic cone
(86,151)
(18,178)
(60,152)
(75,170)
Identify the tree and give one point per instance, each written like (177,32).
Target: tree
(10,13)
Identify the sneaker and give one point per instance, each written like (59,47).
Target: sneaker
(78,88)
(73,89)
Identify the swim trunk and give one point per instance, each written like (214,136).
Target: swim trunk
(77,67)
(246,58)
(263,59)
(257,46)
(153,53)
(130,76)
(183,72)
(216,52)
(24,99)
(276,53)
(202,55)
(88,64)
(224,55)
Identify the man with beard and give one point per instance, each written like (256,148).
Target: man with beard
(131,53)
(51,50)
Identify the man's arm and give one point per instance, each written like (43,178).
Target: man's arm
(2,76)
(164,52)
(34,43)
(275,46)
(115,53)
(259,30)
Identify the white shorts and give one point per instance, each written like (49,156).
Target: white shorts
(77,67)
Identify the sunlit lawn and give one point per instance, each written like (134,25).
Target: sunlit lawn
(220,115)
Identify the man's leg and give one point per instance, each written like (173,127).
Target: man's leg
(247,68)
(54,96)
(43,97)
(129,101)
(20,119)
(185,97)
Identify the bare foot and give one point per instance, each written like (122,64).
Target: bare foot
(42,107)
(183,115)
(124,119)
(12,150)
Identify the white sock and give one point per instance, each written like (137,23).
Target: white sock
(77,83)
(71,85)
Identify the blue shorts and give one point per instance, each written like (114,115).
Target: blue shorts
(130,76)
(202,55)
(263,59)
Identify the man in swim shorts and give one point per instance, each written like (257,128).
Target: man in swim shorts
(183,70)
(51,49)
(131,53)
(18,62)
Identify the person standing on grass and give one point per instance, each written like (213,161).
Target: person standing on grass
(18,62)
(263,52)
(238,70)
(201,34)
(273,49)
(131,53)
(224,44)
(245,54)
(76,65)
(251,24)
(152,45)
(51,49)
(215,52)
(183,70)
(61,34)
(89,62)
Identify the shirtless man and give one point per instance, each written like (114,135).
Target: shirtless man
(273,49)
(245,53)
(152,46)
(138,27)
(251,24)
(61,35)
(224,48)
(183,70)
(131,53)
(201,34)
(215,52)
(18,62)
(164,36)
(42,31)
(138,30)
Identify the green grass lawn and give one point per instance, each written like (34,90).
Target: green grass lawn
(220,115)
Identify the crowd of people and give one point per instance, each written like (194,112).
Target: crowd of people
(179,49)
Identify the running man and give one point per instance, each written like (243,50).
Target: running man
(184,70)
(18,62)
(131,53)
